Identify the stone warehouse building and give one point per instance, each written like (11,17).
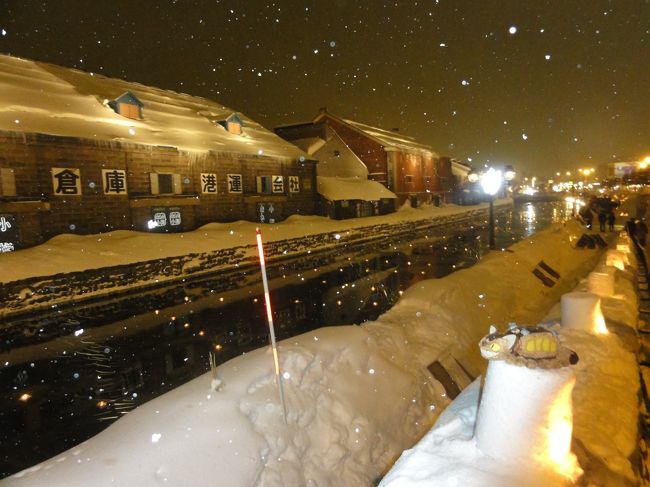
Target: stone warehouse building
(411,170)
(82,153)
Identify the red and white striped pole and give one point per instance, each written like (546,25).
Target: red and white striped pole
(269,319)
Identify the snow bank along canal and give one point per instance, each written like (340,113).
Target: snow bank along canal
(115,355)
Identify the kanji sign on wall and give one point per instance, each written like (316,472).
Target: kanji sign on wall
(66,181)
(235,184)
(294,184)
(8,233)
(114,181)
(278,184)
(208,183)
(265,212)
(166,219)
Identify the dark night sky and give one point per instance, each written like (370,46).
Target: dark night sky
(449,72)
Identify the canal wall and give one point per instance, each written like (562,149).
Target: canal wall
(226,268)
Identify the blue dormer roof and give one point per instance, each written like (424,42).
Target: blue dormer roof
(129,98)
(232,118)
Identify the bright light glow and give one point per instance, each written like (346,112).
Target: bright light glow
(25,396)
(528,190)
(473,177)
(509,175)
(558,435)
(616,262)
(600,327)
(151,224)
(491,181)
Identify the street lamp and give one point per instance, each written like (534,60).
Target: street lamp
(491,181)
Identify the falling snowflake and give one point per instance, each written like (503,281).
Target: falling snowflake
(512,29)
(524,136)
(3,32)
(547,57)
(464,82)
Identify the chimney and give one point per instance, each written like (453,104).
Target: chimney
(322,109)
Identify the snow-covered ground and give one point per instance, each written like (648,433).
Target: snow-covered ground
(357,396)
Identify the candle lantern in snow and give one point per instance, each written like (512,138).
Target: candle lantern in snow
(526,410)
(581,311)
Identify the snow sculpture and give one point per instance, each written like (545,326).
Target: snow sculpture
(526,411)
(532,346)
(601,283)
(581,311)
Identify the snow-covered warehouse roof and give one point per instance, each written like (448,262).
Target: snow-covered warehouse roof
(460,169)
(44,98)
(337,189)
(390,139)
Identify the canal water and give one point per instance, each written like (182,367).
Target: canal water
(59,392)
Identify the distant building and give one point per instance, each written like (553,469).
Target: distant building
(622,170)
(343,185)
(82,153)
(412,171)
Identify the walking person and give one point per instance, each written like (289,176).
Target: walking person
(602,218)
(641,232)
(611,219)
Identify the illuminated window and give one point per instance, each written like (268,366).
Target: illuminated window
(128,105)
(234,128)
(233,124)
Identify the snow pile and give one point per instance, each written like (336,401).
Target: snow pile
(356,396)
(80,252)
(605,414)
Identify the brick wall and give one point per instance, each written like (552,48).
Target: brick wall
(370,152)
(32,156)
